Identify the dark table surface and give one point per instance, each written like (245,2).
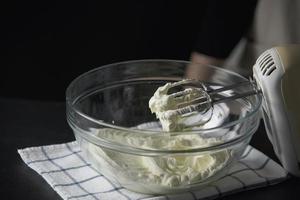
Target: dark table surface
(26,123)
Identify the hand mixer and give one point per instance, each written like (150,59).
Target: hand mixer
(275,76)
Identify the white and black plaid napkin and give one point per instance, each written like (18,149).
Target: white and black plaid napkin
(72,177)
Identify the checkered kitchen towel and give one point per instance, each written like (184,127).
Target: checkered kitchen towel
(72,177)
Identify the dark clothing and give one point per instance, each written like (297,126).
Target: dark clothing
(223,25)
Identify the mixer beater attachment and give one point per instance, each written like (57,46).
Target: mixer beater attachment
(196,97)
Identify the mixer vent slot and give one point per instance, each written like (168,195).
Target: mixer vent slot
(266,58)
(267,65)
(270,70)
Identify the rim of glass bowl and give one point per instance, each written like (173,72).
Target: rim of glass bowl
(70,102)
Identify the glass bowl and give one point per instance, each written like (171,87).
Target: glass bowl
(107,108)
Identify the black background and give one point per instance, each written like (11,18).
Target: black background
(48,43)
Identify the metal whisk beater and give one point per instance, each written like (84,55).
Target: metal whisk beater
(201,99)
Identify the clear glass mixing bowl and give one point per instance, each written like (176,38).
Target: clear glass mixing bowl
(107,108)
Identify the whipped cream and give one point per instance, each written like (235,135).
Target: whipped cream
(167,171)
(160,173)
(164,106)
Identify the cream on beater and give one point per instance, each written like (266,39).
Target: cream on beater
(164,104)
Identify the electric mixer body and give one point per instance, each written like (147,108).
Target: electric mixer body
(276,73)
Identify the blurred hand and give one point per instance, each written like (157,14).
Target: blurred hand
(196,71)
